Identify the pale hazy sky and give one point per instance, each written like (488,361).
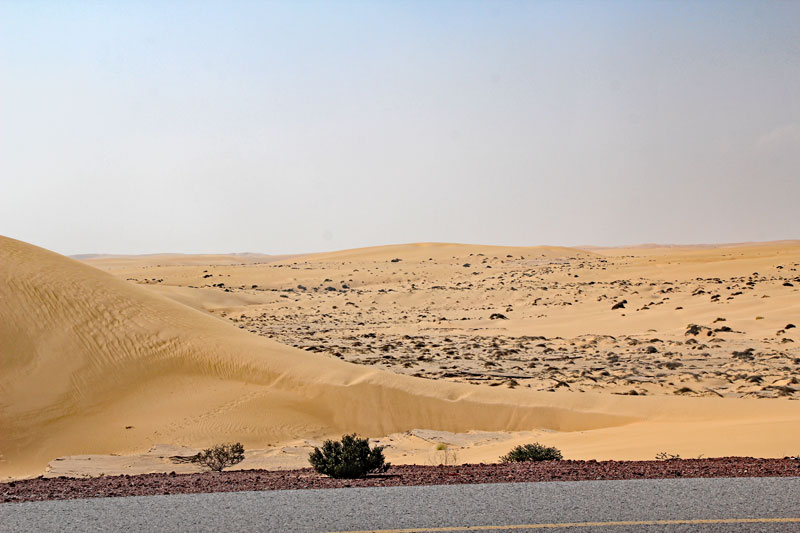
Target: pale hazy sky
(135,127)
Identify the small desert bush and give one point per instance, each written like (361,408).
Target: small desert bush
(444,455)
(220,456)
(664,456)
(349,458)
(532,452)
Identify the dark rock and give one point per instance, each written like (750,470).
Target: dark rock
(693,329)
(746,355)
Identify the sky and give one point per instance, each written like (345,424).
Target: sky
(285,127)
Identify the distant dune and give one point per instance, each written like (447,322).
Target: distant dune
(110,261)
(673,247)
(441,251)
(90,363)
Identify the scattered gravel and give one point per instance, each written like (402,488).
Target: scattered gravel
(253,480)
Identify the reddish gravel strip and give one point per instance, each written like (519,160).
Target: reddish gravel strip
(247,480)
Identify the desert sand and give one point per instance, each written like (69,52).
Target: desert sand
(688,320)
(481,347)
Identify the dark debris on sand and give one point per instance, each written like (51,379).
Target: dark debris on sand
(250,480)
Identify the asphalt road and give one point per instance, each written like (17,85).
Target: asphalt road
(740,504)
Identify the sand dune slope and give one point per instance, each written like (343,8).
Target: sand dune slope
(92,364)
(442,251)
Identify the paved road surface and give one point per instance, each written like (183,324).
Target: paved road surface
(743,504)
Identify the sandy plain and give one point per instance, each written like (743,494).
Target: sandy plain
(115,364)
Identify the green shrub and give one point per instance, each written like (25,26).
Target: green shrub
(444,455)
(349,458)
(220,456)
(532,452)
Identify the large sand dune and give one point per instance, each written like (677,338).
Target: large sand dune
(90,363)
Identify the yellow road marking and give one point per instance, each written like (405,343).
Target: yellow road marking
(589,524)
